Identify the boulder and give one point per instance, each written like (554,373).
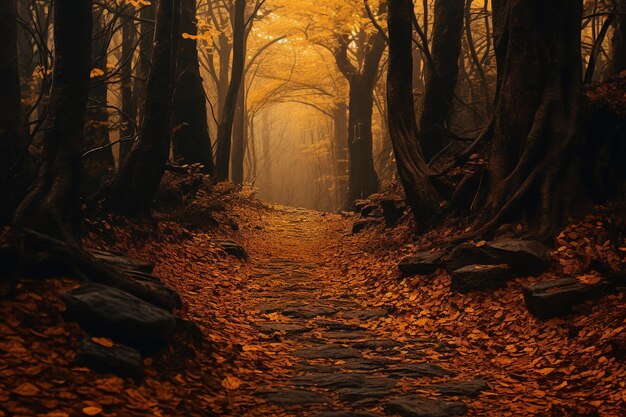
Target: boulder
(232,248)
(556,298)
(118,360)
(109,312)
(164,297)
(120,261)
(421,263)
(480,277)
(525,257)
(362,224)
(418,406)
(468,254)
(469,388)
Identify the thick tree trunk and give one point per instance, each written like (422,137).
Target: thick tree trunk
(225,128)
(239,138)
(128,129)
(98,165)
(536,144)
(53,204)
(442,79)
(363,180)
(144,64)
(412,168)
(136,184)
(340,124)
(12,143)
(190,132)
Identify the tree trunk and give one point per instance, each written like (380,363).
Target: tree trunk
(137,182)
(12,143)
(190,132)
(52,205)
(98,165)
(225,128)
(363,180)
(442,79)
(412,168)
(146,50)
(340,122)
(128,129)
(535,152)
(239,138)
(617,63)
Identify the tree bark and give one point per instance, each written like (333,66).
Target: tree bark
(412,168)
(617,63)
(442,79)
(239,137)
(52,205)
(128,129)
(225,128)
(136,184)
(190,132)
(536,146)
(12,142)
(144,64)
(340,124)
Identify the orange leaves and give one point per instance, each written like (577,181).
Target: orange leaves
(231,383)
(26,390)
(103,341)
(91,410)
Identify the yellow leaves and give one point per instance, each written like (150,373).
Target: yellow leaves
(92,410)
(26,390)
(103,341)
(96,72)
(231,382)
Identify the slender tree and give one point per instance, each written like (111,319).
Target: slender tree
(617,62)
(190,132)
(52,205)
(412,168)
(225,128)
(136,184)
(442,77)
(129,108)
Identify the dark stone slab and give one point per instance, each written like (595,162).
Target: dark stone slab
(468,254)
(118,360)
(232,248)
(332,351)
(421,263)
(418,370)
(121,261)
(384,344)
(287,328)
(339,326)
(469,388)
(315,368)
(418,406)
(368,314)
(480,277)
(106,311)
(525,257)
(363,397)
(557,298)
(343,380)
(297,310)
(373,364)
(363,224)
(345,414)
(294,397)
(347,335)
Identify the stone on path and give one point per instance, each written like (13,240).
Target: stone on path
(294,397)
(469,388)
(332,351)
(121,261)
(363,224)
(232,248)
(109,312)
(287,328)
(118,360)
(299,310)
(421,263)
(345,414)
(363,397)
(480,277)
(418,370)
(343,380)
(418,406)
(556,298)
(368,314)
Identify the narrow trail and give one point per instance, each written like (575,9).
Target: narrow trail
(314,332)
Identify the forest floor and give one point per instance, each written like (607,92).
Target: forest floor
(317,319)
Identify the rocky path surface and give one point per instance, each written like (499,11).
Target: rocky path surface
(325,356)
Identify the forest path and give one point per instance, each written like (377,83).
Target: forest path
(308,339)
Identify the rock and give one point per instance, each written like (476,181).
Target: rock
(347,335)
(372,364)
(480,277)
(368,314)
(345,414)
(332,351)
(556,298)
(418,406)
(294,397)
(297,309)
(118,360)
(109,312)
(287,328)
(372,210)
(469,388)
(382,344)
(360,204)
(232,248)
(164,297)
(362,224)
(339,381)
(363,397)
(418,370)
(393,210)
(421,263)
(525,257)
(120,261)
